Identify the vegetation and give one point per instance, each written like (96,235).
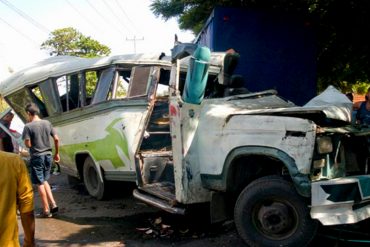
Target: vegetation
(3,104)
(68,41)
(341,26)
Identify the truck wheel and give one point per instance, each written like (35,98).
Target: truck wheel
(269,212)
(92,182)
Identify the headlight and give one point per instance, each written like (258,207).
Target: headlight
(318,164)
(324,145)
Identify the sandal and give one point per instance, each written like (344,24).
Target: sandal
(54,210)
(43,214)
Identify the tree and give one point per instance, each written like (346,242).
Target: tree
(68,41)
(341,27)
(3,104)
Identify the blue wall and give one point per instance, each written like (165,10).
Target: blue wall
(277,51)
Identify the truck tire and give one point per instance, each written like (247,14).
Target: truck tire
(269,212)
(91,179)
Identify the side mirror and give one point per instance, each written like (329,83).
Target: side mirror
(197,76)
(230,62)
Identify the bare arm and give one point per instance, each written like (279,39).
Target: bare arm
(25,203)
(27,142)
(28,223)
(56,145)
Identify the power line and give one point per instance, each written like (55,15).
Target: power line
(25,16)
(101,16)
(111,10)
(124,12)
(20,32)
(83,16)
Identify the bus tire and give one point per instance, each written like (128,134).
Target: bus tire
(269,212)
(94,186)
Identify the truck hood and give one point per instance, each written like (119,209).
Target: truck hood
(331,107)
(318,114)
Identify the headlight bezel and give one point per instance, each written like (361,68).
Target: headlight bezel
(324,144)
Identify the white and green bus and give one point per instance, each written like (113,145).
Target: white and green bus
(99,108)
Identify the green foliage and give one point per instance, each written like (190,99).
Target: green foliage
(121,90)
(343,52)
(68,41)
(3,104)
(359,87)
(91,81)
(192,14)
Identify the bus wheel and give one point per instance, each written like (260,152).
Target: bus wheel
(92,182)
(269,212)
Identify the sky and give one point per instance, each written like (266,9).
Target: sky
(25,24)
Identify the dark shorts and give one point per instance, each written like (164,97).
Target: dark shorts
(40,168)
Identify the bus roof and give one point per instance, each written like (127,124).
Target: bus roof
(62,65)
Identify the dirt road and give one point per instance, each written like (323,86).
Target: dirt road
(124,221)
(121,221)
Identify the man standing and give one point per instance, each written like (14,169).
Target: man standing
(16,189)
(36,136)
(6,143)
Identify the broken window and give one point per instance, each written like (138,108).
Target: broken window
(104,86)
(139,81)
(18,102)
(68,88)
(90,80)
(120,85)
(50,96)
(38,99)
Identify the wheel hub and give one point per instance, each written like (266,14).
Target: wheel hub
(275,218)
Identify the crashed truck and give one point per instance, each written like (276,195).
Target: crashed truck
(189,133)
(278,168)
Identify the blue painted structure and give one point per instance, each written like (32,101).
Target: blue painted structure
(277,50)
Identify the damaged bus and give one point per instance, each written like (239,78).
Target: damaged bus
(278,169)
(99,108)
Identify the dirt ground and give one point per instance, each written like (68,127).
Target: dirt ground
(125,222)
(121,221)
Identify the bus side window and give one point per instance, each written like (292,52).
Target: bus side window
(139,81)
(69,91)
(38,99)
(104,85)
(50,95)
(18,102)
(62,85)
(90,84)
(120,86)
(73,91)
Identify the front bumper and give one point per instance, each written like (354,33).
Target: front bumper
(342,200)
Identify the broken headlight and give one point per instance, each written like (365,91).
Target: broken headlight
(324,144)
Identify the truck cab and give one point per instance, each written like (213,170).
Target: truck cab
(277,168)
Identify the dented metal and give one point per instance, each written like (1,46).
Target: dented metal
(185,153)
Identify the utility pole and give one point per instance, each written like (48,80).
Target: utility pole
(135,40)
